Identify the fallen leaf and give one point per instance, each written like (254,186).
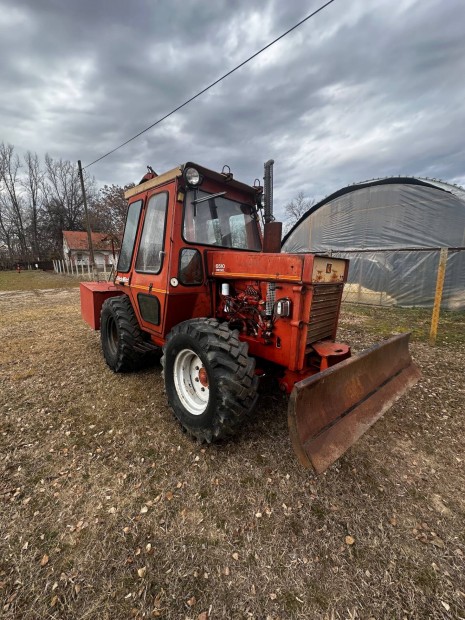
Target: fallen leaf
(148,547)
(393,520)
(192,601)
(235,556)
(77,588)
(273,596)
(54,601)
(437,542)
(169,496)
(203,616)
(44,560)
(226,571)
(349,540)
(25,546)
(445,605)
(144,509)
(142,571)
(112,510)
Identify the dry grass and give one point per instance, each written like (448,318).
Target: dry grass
(34,280)
(108,511)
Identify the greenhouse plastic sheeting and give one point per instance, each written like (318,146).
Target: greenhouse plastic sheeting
(387,219)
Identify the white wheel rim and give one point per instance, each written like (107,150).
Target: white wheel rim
(191,381)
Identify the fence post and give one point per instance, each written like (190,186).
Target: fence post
(438,296)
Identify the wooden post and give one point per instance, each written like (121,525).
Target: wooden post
(438,296)
(84,199)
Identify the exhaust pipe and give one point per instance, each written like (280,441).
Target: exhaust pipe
(272,230)
(268,186)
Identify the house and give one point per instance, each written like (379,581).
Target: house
(76,248)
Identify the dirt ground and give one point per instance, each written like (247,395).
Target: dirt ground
(108,511)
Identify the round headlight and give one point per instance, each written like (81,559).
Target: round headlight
(192,176)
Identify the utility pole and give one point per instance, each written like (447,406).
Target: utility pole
(89,233)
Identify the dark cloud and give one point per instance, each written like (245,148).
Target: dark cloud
(360,91)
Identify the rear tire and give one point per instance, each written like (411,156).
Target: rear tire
(120,334)
(209,378)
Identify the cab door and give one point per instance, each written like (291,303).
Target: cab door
(149,281)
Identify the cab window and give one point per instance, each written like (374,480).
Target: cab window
(150,254)
(129,238)
(219,221)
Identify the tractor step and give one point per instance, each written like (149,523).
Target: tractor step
(328,412)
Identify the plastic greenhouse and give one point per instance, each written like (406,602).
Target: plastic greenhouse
(392,231)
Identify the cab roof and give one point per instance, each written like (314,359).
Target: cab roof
(177,172)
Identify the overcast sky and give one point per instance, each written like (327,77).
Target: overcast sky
(366,88)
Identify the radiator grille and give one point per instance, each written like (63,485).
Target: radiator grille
(323,313)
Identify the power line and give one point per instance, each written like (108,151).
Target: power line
(212,84)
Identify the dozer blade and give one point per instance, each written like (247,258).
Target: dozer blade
(329,411)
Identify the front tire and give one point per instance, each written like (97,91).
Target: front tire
(209,378)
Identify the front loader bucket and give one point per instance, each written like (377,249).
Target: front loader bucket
(329,411)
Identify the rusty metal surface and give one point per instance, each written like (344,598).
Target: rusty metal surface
(272,232)
(331,410)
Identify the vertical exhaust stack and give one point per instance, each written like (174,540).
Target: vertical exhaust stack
(272,230)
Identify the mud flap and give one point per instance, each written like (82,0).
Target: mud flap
(331,410)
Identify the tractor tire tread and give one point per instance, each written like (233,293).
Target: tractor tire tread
(128,358)
(233,370)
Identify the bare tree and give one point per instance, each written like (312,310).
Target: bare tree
(296,208)
(63,201)
(108,211)
(12,203)
(6,231)
(33,187)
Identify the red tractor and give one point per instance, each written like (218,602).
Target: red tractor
(201,276)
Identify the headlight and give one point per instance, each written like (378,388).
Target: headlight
(192,176)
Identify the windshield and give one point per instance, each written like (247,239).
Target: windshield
(216,220)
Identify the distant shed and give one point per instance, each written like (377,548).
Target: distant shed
(392,231)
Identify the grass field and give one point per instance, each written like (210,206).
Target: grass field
(108,511)
(32,280)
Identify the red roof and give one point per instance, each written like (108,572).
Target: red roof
(77,240)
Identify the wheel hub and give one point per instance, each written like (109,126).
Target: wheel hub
(203,377)
(191,381)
